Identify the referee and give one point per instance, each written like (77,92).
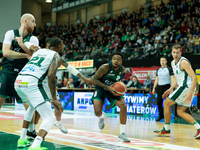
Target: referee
(163,79)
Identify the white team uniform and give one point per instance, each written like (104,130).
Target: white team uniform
(31,83)
(184,82)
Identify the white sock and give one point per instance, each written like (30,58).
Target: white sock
(196,124)
(34,127)
(102,115)
(31,127)
(58,122)
(166,126)
(122,128)
(38,140)
(23,133)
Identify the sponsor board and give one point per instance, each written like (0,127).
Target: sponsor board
(82,101)
(80,64)
(140,104)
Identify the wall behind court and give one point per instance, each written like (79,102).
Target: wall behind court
(31,6)
(10,14)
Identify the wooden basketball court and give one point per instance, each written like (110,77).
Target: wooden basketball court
(85,134)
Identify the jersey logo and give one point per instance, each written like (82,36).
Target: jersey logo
(176,71)
(111,71)
(119,73)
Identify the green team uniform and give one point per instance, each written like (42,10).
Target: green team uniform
(108,79)
(11,68)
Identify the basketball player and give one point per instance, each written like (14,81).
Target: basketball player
(16,56)
(57,113)
(29,86)
(104,78)
(186,80)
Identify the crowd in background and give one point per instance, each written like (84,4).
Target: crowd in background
(146,33)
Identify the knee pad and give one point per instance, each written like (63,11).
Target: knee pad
(29,114)
(46,113)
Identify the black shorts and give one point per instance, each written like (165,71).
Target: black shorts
(7,81)
(101,94)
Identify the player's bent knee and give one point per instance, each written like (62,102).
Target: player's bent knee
(98,113)
(29,114)
(47,123)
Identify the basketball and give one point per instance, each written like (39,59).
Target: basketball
(120,88)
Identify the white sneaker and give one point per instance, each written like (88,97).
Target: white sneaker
(123,138)
(61,127)
(101,122)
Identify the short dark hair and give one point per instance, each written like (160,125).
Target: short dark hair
(118,53)
(54,42)
(164,57)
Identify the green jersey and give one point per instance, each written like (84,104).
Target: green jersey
(111,76)
(14,66)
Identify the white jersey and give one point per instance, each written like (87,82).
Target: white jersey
(39,64)
(183,79)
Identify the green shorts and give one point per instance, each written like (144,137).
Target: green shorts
(100,94)
(7,81)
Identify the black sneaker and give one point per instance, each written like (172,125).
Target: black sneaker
(31,135)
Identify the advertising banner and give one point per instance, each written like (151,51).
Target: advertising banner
(142,72)
(80,64)
(140,104)
(82,101)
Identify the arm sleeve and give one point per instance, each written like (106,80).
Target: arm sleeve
(34,40)
(170,71)
(9,36)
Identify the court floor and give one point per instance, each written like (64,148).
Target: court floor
(83,133)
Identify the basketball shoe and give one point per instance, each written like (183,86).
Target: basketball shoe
(162,131)
(197,135)
(31,135)
(61,127)
(123,138)
(21,143)
(101,122)
(38,148)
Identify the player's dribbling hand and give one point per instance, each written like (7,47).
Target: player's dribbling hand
(112,90)
(57,105)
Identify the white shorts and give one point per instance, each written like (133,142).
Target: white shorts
(31,90)
(178,96)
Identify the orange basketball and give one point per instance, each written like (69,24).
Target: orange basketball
(120,88)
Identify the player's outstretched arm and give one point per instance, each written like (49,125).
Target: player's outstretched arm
(75,72)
